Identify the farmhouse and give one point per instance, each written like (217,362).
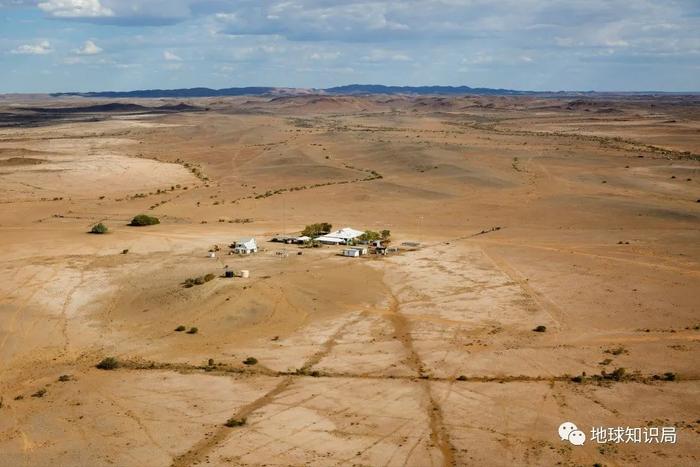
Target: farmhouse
(342,236)
(245,246)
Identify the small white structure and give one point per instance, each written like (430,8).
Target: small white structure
(353,252)
(342,236)
(245,273)
(362,249)
(212,254)
(245,246)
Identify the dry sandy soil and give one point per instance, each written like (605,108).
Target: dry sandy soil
(423,358)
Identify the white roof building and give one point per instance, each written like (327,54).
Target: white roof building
(345,234)
(340,236)
(245,245)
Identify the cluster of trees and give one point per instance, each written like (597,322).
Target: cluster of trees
(371,235)
(315,230)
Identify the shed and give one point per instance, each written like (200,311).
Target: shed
(326,240)
(353,252)
(245,246)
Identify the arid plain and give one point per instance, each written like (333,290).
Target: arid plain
(578,214)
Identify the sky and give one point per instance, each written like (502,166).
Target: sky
(546,45)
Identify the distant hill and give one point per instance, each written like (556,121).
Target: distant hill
(349,89)
(421,90)
(158,93)
(112,107)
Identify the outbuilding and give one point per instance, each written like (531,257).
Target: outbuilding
(245,246)
(352,252)
(326,240)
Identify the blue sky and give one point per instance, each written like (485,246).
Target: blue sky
(603,45)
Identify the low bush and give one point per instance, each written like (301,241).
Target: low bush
(64,378)
(540,328)
(668,376)
(250,361)
(143,220)
(108,363)
(616,351)
(180,328)
(99,229)
(193,330)
(40,393)
(234,422)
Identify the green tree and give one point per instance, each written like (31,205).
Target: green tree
(314,230)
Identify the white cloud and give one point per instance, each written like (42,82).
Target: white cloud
(76,8)
(89,48)
(383,55)
(171,57)
(38,48)
(324,55)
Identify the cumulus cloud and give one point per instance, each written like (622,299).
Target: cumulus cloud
(171,57)
(76,8)
(38,48)
(89,48)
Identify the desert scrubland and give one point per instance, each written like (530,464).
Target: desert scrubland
(578,214)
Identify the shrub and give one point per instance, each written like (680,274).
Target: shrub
(540,328)
(180,328)
(209,277)
(99,229)
(234,422)
(385,234)
(108,363)
(40,393)
(616,351)
(617,375)
(461,378)
(64,378)
(193,330)
(250,361)
(142,220)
